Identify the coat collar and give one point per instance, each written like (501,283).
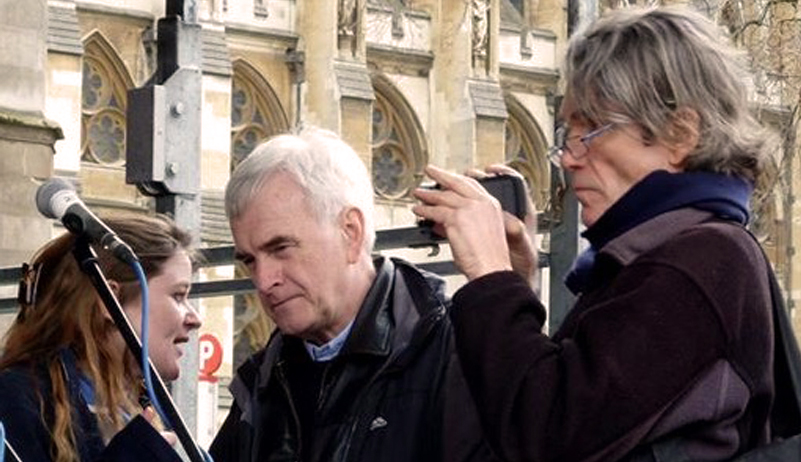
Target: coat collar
(649,235)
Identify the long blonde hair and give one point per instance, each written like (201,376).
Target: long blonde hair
(67,313)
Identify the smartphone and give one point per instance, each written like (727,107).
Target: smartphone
(508,189)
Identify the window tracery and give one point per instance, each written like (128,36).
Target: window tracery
(399,154)
(104,99)
(256,112)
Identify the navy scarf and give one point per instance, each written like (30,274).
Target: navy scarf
(723,195)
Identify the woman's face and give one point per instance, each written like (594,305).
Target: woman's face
(171,318)
(609,164)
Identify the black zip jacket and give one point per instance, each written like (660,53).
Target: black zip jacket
(381,399)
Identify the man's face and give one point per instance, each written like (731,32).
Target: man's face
(298,264)
(609,165)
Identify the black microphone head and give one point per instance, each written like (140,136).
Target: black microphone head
(45,193)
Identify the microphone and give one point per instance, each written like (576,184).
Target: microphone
(56,198)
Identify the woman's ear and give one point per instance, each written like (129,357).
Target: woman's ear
(352,225)
(683,134)
(115,287)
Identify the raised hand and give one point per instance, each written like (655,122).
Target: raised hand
(471,219)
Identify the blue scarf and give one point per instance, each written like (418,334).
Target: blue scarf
(659,192)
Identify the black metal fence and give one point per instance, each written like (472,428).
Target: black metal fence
(386,239)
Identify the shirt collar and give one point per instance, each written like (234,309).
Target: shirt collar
(331,349)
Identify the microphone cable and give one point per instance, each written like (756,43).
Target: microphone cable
(151,394)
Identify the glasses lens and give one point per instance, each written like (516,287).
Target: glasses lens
(558,149)
(560,137)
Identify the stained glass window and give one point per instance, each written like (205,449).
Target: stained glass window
(398,150)
(256,113)
(526,153)
(103,111)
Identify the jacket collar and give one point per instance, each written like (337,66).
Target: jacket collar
(649,235)
(372,329)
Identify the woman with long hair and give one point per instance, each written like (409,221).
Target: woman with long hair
(70,389)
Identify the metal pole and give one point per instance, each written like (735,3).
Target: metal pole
(163,149)
(565,237)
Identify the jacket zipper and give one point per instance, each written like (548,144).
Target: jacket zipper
(295,419)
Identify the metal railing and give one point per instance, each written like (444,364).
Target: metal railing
(386,239)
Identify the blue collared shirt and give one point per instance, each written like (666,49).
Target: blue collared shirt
(331,349)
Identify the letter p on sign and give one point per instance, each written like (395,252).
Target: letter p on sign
(210,356)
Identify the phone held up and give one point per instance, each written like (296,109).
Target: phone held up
(509,190)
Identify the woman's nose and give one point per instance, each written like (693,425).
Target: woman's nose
(192,318)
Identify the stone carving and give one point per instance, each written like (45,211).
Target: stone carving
(480,17)
(347,18)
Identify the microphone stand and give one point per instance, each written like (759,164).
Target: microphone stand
(10,454)
(87,260)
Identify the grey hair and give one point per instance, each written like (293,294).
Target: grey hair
(329,171)
(641,65)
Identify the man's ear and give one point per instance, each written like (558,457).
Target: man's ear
(683,133)
(352,225)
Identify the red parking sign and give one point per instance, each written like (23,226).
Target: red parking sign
(210,356)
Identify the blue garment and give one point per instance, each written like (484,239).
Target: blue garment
(661,191)
(331,349)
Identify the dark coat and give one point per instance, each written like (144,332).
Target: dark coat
(381,399)
(23,389)
(673,342)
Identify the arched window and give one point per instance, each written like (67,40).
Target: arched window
(105,82)
(256,112)
(399,148)
(526,151)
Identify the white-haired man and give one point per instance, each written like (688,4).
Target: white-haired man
(362,356)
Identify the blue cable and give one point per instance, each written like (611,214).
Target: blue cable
(140,275)
(2,442)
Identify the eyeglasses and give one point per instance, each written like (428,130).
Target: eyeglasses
(577,146)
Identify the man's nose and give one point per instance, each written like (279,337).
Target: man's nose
(266,275)
(568,160)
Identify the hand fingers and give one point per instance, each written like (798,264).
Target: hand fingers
(462,185)
(503,169)
(436,205)
(149,414)
(476,173)
(171,438)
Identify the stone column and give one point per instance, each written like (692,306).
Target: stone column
(452,128)
(317,24)
(353,83)
(485,91)
(26,138)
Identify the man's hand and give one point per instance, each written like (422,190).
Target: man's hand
(520,235)
(471,219)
